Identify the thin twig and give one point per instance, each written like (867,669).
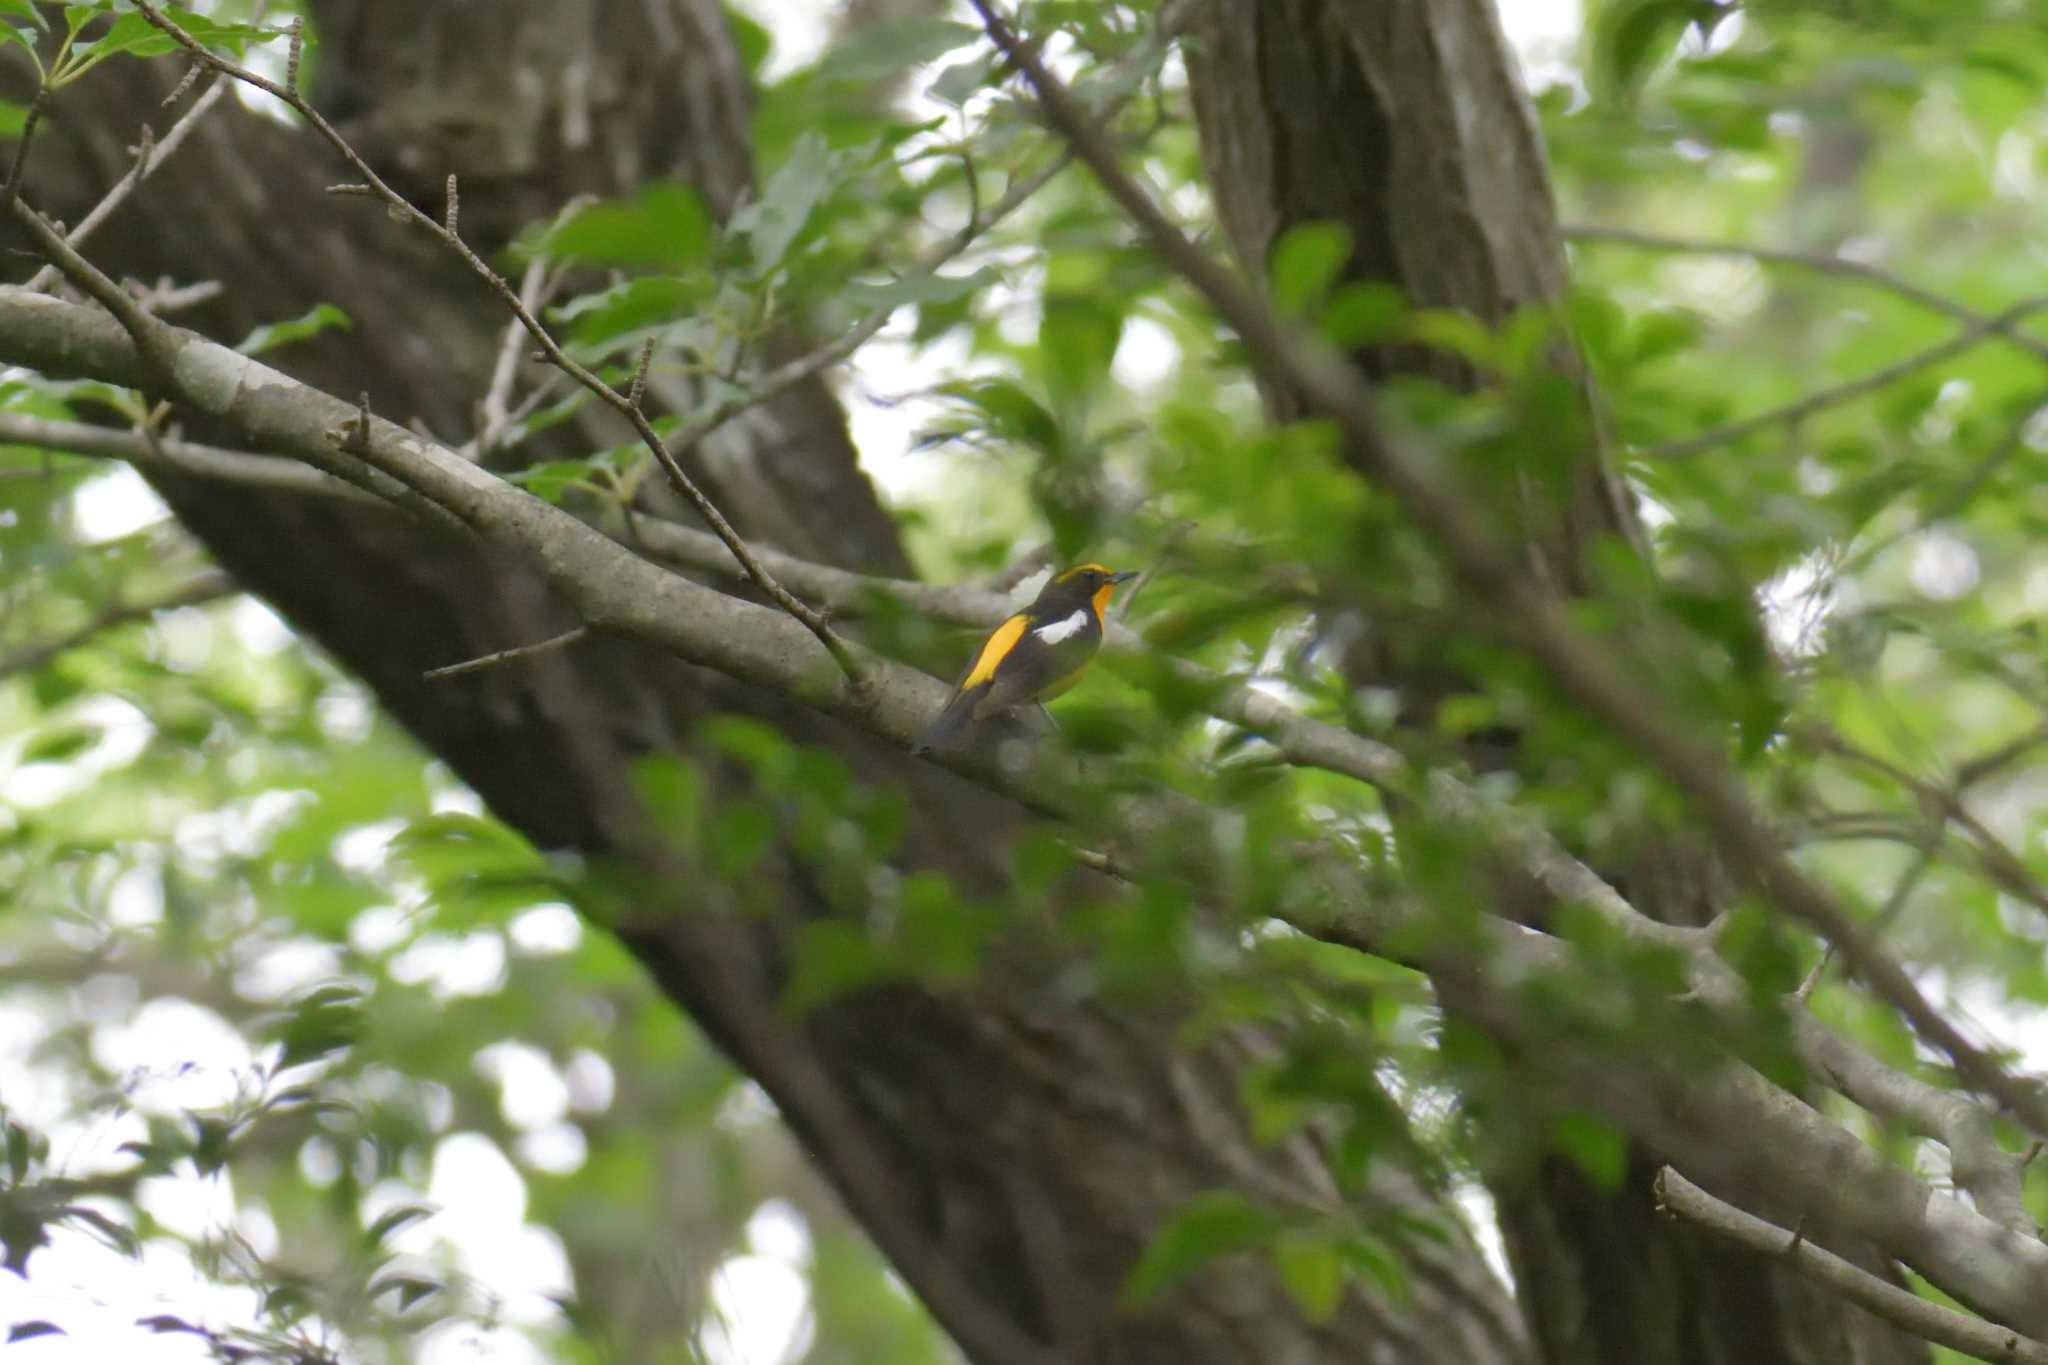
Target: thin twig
(1955,501)
(145,166)
(1797,411)
(12,191)
(206,587)
(1819,262)
(1995,856)
(1525,612)
(405,209)
(144,329)
(493,413)
(1905,1310)
(504,656)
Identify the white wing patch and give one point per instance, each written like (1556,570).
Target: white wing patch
(1063,629)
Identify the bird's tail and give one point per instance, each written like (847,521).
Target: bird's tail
(949,725)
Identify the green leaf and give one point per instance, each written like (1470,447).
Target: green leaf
(212,1142)
(961,81)
(59,744)
(1632,36)
(832,959)
(1306,261)
(271,335)
(1010,413)
(673,795)
(410,1289)
(740,835)
(132,35)
(553,480)
(875,50)
(1077,341)
(20,1148)
(1596,1147)
(1361,313)
(772,223)
(665,226)
(26,9)
(323,1021)
(392,1221)
(1213,1224)
(932,288)
(1312,1270)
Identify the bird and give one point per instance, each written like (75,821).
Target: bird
(1035,655)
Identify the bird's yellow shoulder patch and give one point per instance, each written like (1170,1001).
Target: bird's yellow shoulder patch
(1000,643)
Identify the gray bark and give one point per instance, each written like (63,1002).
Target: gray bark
(1011,1148)
(1404,121)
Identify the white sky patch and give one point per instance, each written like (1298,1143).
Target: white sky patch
(1944,565)
(590,1080)
(452,967)
(115,504)
(122,732)
(546,930)
(1796,605)
(482,1201)
(531,1092)
(176,1056)
(761,1313)
(779,1231)
(558,1149)
(261,630)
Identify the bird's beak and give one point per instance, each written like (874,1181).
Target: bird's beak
(1126,576)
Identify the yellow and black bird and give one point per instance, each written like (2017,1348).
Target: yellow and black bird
(1034,656)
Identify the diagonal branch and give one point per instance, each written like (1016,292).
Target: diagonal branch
(1799,409)
(1923,1318)
(1526,614)
(404,209)
(1727,1114)
(154,154)
(1819,262)
(200,589)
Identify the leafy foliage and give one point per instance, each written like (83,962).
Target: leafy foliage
(194,809)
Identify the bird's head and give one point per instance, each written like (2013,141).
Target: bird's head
(1088,585)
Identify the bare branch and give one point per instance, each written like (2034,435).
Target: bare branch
(1799,409)
(1821,263)
(146,165)
(1524,611)
(1923,1318)
(186,457)
(504,656)
(1814,1163)
(147,331)
(11,194)
(406,211)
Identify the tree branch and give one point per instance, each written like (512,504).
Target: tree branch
(1819,262)
(1924,1319)
(1799,409)
(1525,613)
(446,234)
(1812,1162)
(154,155)
(202,588)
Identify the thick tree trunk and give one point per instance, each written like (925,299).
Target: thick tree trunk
(1011,1148)
(1403,120)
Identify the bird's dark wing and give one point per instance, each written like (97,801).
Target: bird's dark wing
(1042,661)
